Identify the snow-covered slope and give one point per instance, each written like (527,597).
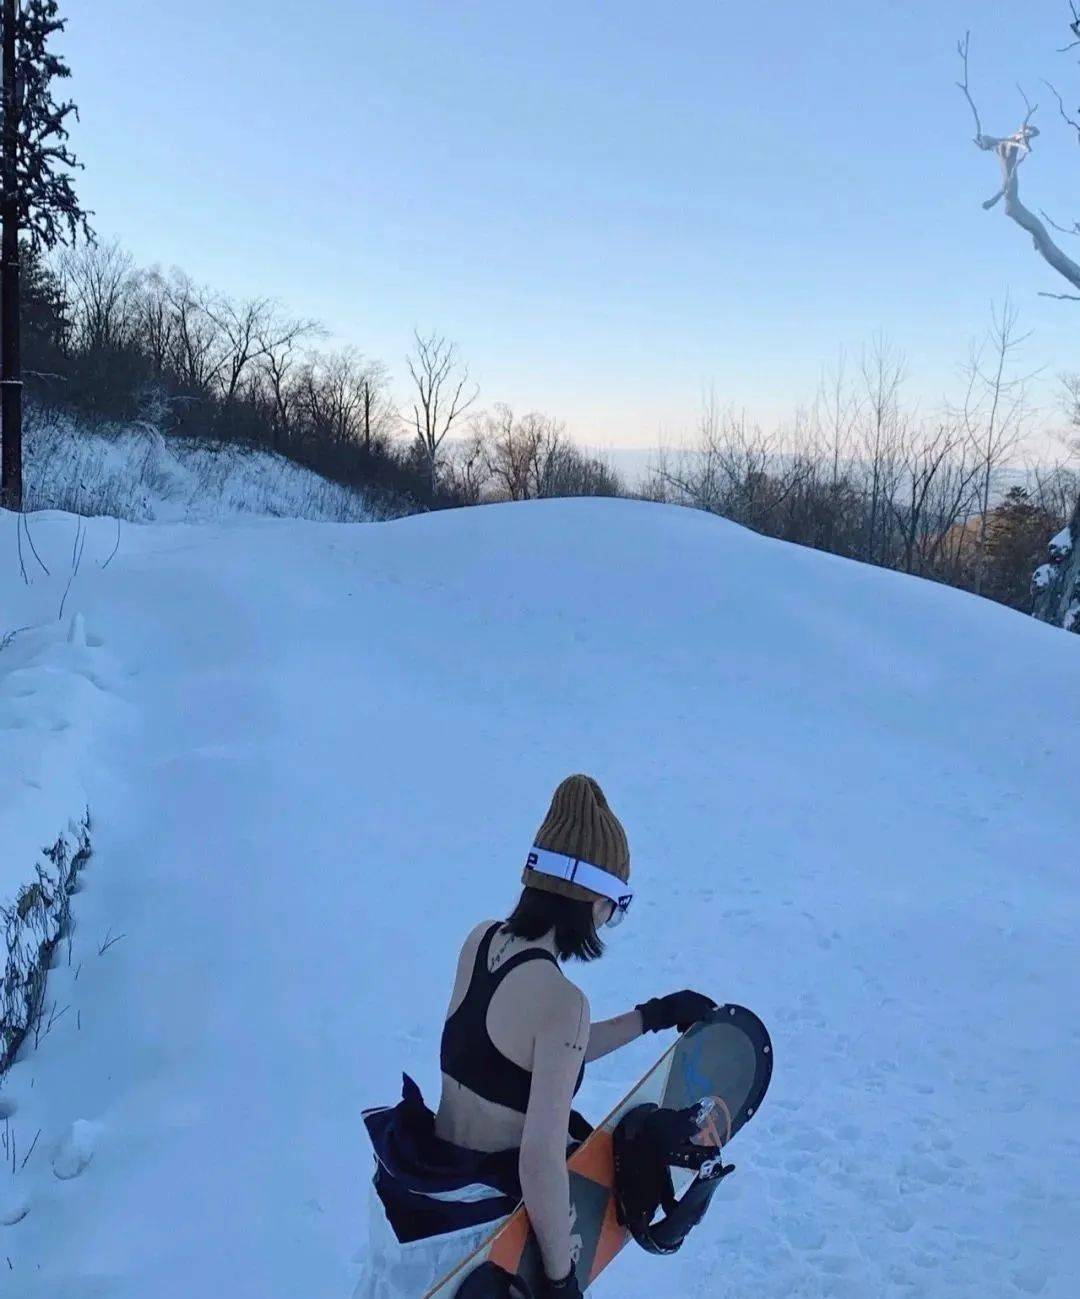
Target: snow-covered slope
(331,748)
(132,472)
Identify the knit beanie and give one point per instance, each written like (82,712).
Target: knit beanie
(580,824)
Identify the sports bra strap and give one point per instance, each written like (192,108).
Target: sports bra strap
(494,977)
(483,950)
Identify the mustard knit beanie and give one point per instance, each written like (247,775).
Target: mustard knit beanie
(580,824)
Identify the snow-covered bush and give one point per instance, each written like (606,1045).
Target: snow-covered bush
(1056,585)
(57,687)
(1061,545)
(33,924)
(131,471)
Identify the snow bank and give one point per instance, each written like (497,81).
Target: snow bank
(52,683)
(132,472)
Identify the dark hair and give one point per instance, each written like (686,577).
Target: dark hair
(538,912)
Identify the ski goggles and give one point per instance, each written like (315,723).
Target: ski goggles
(593,878)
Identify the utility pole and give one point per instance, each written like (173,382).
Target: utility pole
(11,486)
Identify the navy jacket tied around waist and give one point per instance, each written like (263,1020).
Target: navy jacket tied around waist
(428,1186)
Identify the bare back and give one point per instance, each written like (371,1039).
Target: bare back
(518,1009)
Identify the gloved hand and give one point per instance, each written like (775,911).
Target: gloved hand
(567,1288)
(676,1010)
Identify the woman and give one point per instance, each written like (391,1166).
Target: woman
(517,1037)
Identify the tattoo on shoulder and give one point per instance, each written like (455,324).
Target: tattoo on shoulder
(581,1037)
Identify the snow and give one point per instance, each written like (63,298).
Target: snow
(1042,577)
(133,472)
(55,685)
(320,754)
(1062,544)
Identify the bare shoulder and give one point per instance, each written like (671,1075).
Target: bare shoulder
(562,1004)
(472,942)
(478,931)
(466,959)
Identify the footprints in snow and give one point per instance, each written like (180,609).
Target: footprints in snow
(69,1158)
(73,1152)
(14,1206)
(39,691)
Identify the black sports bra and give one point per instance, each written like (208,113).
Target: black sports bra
(468,1055)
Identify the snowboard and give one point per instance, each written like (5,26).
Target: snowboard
(727,1056)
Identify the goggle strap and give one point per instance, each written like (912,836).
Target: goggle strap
(576,871)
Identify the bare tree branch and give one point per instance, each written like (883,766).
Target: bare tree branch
(1011,151)
(1065,230)
(1061,109)
(962,50)
(1074,27)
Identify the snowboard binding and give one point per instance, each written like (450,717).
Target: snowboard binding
(648,1143)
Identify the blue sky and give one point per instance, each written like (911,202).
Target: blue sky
(610,206)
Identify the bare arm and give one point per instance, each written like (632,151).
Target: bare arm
(559,1050)
(609,1034)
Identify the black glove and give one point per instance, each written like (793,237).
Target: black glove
(567,1288)
(676,1010)
(489,1280)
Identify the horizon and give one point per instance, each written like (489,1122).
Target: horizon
(563,199)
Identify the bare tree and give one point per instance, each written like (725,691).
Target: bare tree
(503,452)
(656,485)
(993,413)
(248,331)
(466,467)
(527,458)
(570,471)
(195,339)
(278,365)
(100,284)
(693,476)
(155,319)
(546,445)
(836,415)
(934,496)
(444,395)
(883,372)
(1011,151)
(522,455)
(332,389)
(342,399)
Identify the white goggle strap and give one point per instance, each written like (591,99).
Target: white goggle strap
(576,871)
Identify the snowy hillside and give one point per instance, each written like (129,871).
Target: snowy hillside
(131,471)
(322,753)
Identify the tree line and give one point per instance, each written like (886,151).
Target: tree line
(861,474)
(858,473)
(112,341)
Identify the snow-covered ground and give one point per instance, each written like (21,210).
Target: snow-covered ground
(326,752)
(133,472)
(54,689)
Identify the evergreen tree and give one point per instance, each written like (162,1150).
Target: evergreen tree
(1016,535)
(45,320)
(37,198)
